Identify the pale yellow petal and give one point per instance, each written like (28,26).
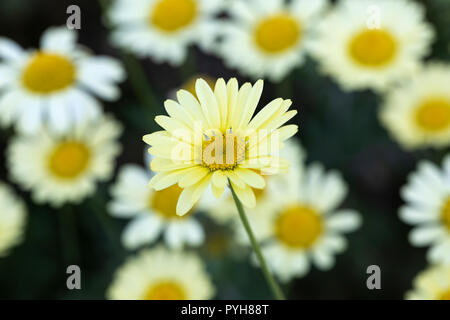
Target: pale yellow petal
(165,179)
(191,104)
(208,103)
(192,176)
(162,164)
(234,178)
(174,110)
(236,110)
(251,104)
(190,195)
(251,178)
(245,195)
(265,114)
(219,179)
(220,91)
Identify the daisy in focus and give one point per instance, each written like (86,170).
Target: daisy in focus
(427,197)
(153,212)
(54,85)
(164,29)
(431,284)
(216,138)
(159,274)
(12,219)
(417,114)
(372,44)
(307,225)
(64,168)
(269,39)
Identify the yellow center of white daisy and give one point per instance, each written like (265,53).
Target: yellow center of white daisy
(164,202)
(165,290)
(69,159)
(445,214)
(298,226)
(48,72)
(277,33)
(373,48)
(445,295)
(173,15)
(222,151)
(433,115)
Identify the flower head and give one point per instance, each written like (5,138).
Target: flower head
(53,86)
(216,138)
(160,274)
(432,284)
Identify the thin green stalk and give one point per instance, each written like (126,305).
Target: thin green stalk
(274,287)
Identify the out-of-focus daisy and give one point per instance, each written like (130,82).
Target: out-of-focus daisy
(431,284)
(12,219)
(268,39)
(223,210)
(153,212)
(53,85)
(163,29)
(371,44)
(159,274)
(427,197)
(307,224)
(417,114)
(216,138)
(60,168)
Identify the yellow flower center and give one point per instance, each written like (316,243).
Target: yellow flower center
(165,290)
(172,15)
(446,213)
(445,295)
(164,202)
(298,226)
(277,33)
(47,73)
(373,48)
(69,159)
(434,115)
(223,152)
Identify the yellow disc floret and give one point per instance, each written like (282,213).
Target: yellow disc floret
(298,226)
(165,290)
(173,15)
(47,73)
(164,202)
(434,115)
(373,48)
(277,33)
(223,151)
(69,159)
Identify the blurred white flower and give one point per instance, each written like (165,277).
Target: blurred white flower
(54,85)
(417,114)
(427,196)
(431,284)
(307,225)
(153,212)
(160,274)
(359,56)
(60,168)
(268,39)
(163,29)
(12,219)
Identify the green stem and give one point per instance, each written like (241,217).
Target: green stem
(276,290)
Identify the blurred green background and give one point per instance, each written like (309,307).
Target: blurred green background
(340,130)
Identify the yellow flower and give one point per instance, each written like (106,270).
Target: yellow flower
(216,138)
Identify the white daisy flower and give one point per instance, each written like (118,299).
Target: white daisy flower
(153,212)
(372,44)
(163,29)
(427,197)
(268,39)
(60,168)
(12,219)
(159,274)
(417,114)
(308,225)
(431,284)
(53,85)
